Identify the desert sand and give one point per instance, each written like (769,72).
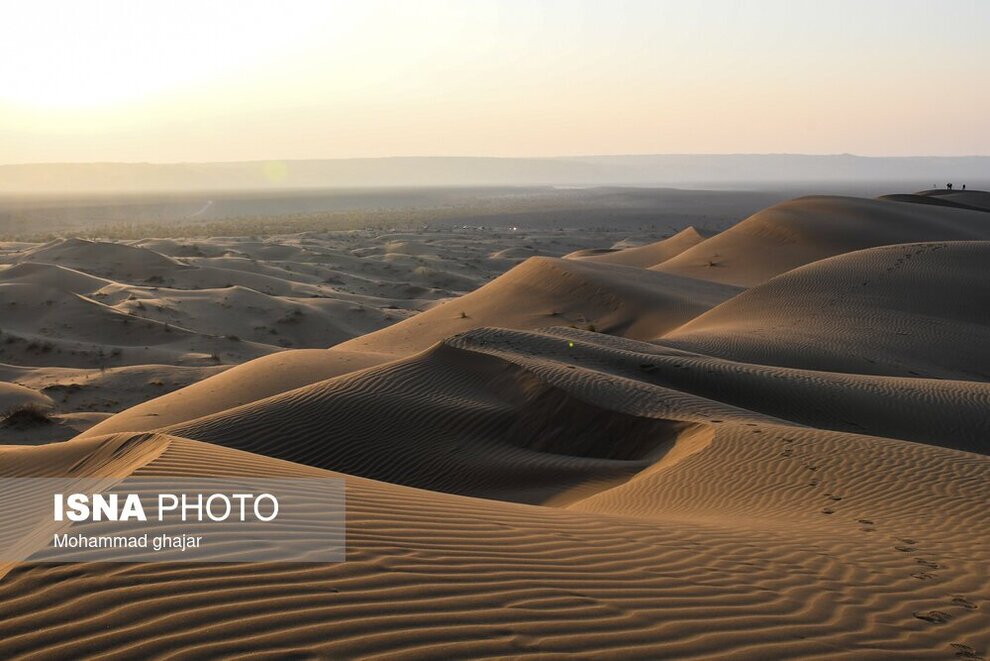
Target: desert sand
(764,442)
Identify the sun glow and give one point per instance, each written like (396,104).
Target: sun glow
(93,55)
(225,80)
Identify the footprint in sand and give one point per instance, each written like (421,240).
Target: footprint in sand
(964,602)
(828,510)
(906,549)
(923,576)
(966,652)
(935,617)
(865,522)
(930,564)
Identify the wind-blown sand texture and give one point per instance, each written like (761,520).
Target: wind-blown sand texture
(767,443)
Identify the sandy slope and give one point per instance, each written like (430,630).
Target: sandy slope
(242,384)
(800,231)
(973,199)
(904,310)
(759,541)
(652,254)
(797,470)
(543,291)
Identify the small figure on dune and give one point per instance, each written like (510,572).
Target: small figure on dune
(948,186)
(964,187)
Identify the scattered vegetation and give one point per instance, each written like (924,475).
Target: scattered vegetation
(62,387)
(25,416)
(40,347)
(293,317)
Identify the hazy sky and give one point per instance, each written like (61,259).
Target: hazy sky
(203,80)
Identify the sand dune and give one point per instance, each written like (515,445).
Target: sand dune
(242,384)
(203,304)
(615,299)
(529,417)
(13,396)
(895,310)
(649,255)
(769,443)
(79,398)
(115,260)
(692,558)
(610,298)
(973,199)
(801,231)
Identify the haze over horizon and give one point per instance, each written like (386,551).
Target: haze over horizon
(841,173)
(533,157)
(195,82)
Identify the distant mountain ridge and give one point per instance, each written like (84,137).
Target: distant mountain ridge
(640,170)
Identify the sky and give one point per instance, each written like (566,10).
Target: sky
(207,80)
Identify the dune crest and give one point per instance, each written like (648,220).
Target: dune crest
(807,229)
(650,255)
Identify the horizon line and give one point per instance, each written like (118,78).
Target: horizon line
(500,158)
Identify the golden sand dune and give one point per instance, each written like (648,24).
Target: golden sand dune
(579,459)
(242,384)
(540,417)
(14,396)
(540,292)
(915,309)
(78,398)
(544,291)
(804,230)
(763,540)
(212,303)
(649,255)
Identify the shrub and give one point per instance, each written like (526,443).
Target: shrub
(26,415)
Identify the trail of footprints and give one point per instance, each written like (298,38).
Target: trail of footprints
(925,566)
